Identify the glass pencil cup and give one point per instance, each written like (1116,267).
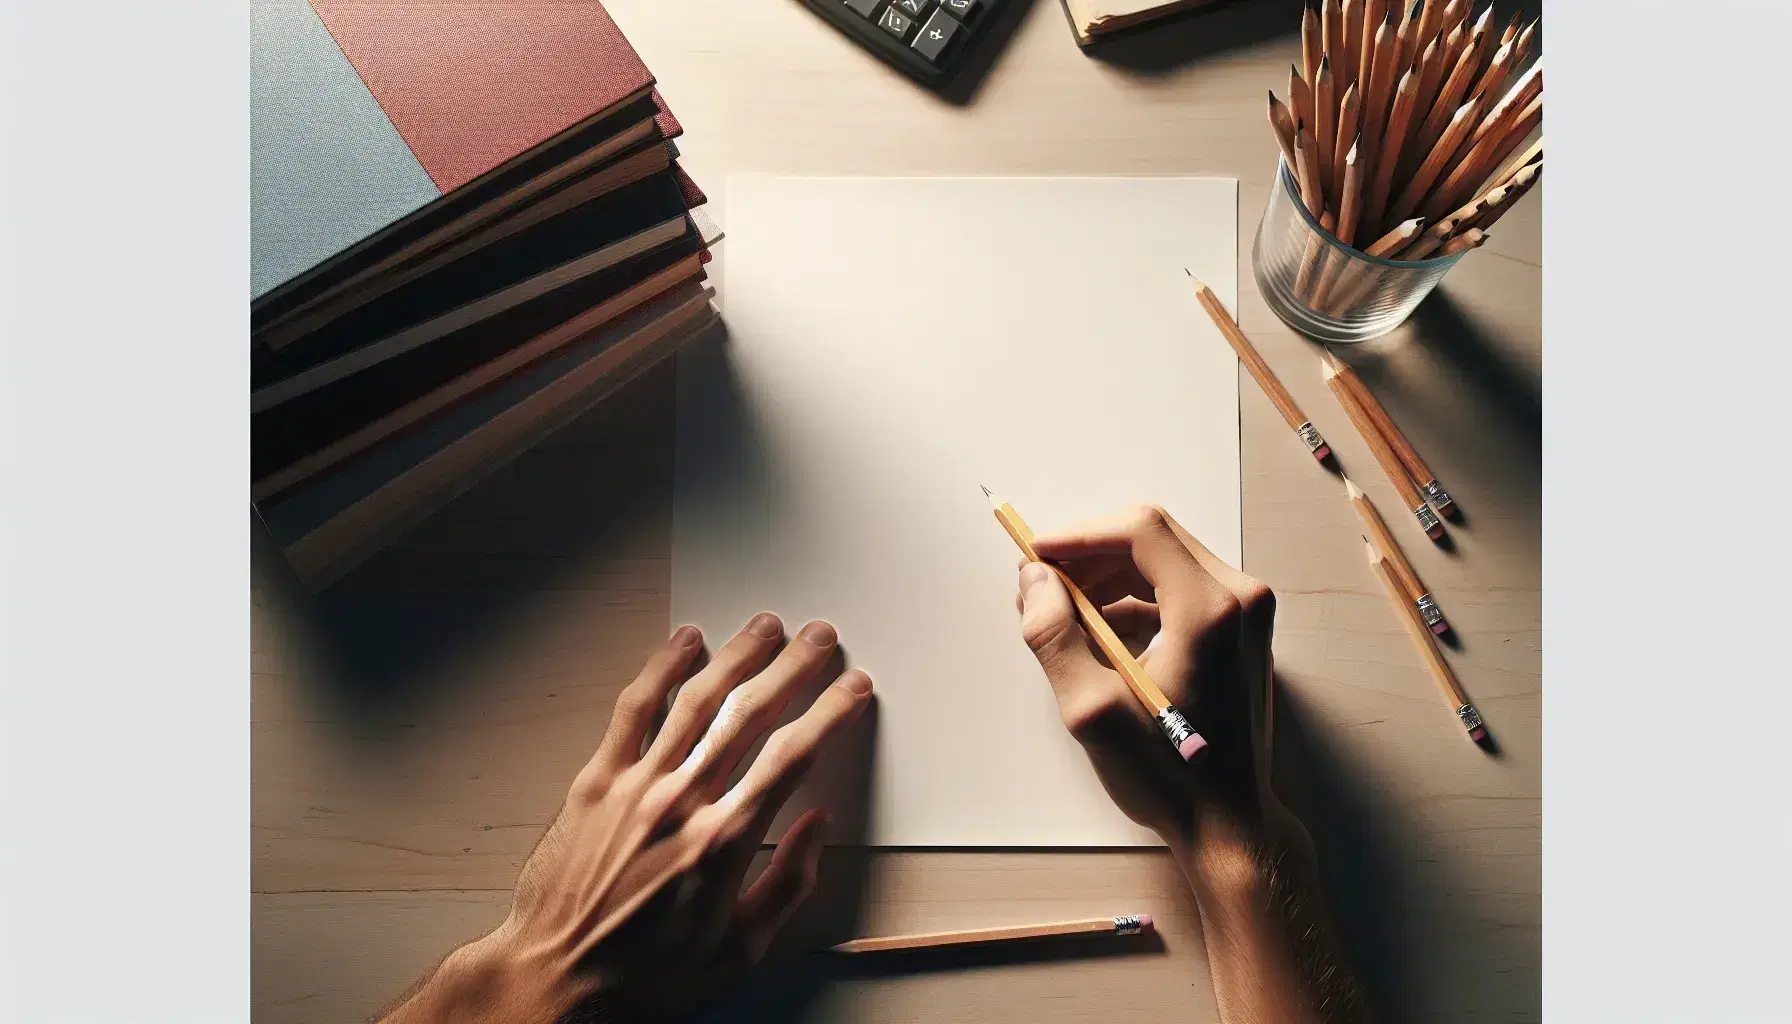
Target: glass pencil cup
(1328,290)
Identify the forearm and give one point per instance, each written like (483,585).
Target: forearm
(1271,949)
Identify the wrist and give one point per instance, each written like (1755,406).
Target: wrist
(491,979)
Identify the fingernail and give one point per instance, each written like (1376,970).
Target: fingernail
(766,625)
(857,683)
(1032,575)
(819,633)
(686,636)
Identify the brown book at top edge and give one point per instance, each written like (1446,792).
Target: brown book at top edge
(1095,21)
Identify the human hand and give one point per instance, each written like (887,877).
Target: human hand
(631,906)
(1211,656)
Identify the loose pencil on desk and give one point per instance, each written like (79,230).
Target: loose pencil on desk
(1126,924)
(1265,377)
(1396,438)
(1174,724)
(1434,659)
(1383,539)
(1390,463)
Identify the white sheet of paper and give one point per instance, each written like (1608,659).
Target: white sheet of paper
(891,344)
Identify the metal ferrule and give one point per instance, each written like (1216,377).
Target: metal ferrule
(1310,434)
(1175,725)
(1428,520)
(1471,719)
(1429,611)
(1129,924)
(1438,497)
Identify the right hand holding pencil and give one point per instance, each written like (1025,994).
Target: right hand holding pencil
(1212,626)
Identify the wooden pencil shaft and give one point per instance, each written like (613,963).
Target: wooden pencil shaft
(1281,121)
(1421,638)
(1247,354)
(1351,65)
(1128,668)
(1447,105)
(1517,95)
(1384,542)
(1533,154)
(1522,45)
(1394,142)
(1408,34)
(1306,160)
(1474,169)
(1493,211)
(1402,235)
(1350,200)
(1432,70)
(1348,110)
(1312,43)
(1426,244)
(1431,16)
(1300,98)
(1493,79)
(1374,114)
(1331,23)
(1325,130)
(1512,27)
(1390,431)
(1390,463)
(968,936)
(1375,14)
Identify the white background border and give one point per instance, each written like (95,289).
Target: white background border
(124,716)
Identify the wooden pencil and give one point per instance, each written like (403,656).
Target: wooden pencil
(1517,96)
(1306,167)
(1474,168)
(1382,538)
(1281,121)
(1434,163)
(1390,463)
(1350,66)
(1421,474)
(1312,43)
(1408,34)
(1427,645)
(1349,110)
(1126,924)
(1374,114)
(1494,77)
(1394,140)
(1431,19)
(1513,190)
(1174,725)
(1300,99)
(1331,30)
(1399,238)
(1533,154)
(1473,238)
(1325,137)
(1260,371)
(1432,69)
(1375,14)
(1440,117)
(1349,206)
(1428,243)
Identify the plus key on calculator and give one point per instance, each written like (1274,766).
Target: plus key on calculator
(928,39)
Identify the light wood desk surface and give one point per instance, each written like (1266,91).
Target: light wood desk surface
(415,730)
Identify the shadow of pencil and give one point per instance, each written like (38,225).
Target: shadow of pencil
(964,958)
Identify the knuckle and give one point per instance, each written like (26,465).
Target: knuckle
(1221,621)
(1092,718)
(1043,631)
(1259,602)
(1149,515)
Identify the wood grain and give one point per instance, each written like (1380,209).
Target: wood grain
(414,732)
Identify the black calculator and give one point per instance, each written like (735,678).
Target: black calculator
(928,39)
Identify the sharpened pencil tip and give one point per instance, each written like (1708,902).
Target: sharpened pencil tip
(986,492)
(1369,549)
(1352,489)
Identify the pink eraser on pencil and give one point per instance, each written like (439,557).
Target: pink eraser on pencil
(1323,452)
(1192,747)
(1478,733)
(1440,627)
(1435,532)
(1144,922)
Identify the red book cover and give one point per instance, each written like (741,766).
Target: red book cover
(471,84)
(666,120)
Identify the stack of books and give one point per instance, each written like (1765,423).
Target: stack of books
(469,225)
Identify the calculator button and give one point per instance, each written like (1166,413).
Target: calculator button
(964,10)
(896,23)
(864,8)
(936,35)
(916,9)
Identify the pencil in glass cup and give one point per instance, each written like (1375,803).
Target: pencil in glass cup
(1174,724)
(1260,371)
(1125,924)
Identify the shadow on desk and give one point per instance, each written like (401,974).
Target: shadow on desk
(388,638)
(1399,913)
(1200,33)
